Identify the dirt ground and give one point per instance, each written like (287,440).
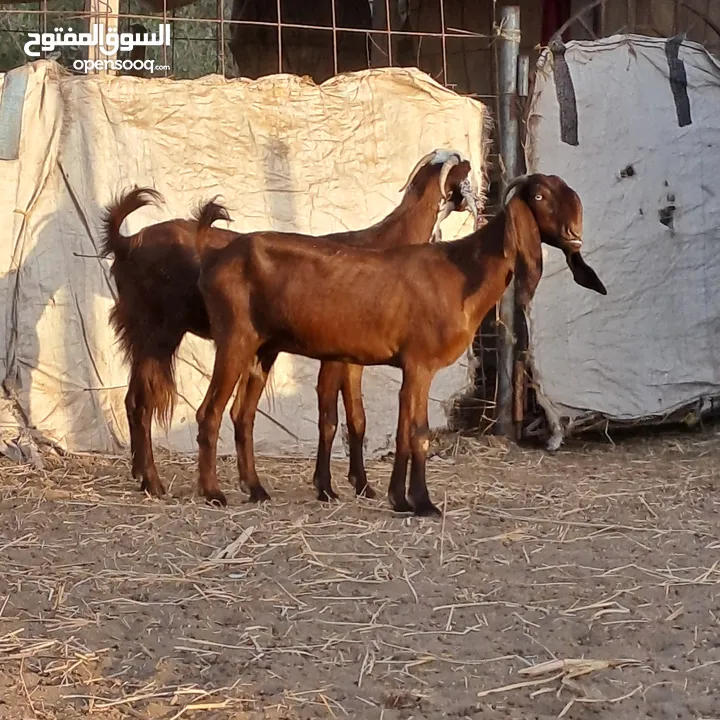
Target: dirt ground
(119,606)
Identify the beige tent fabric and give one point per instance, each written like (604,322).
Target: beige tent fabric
(284,154)
(651,346)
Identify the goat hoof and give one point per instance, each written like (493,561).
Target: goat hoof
(327,495)
(156,489)
(258,494)
(401,506)
(427,509)
(366,492)
(215,497)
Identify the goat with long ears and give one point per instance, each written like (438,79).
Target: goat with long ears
(156,273)
(570,238)
(414,307)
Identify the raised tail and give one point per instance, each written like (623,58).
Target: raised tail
(206,215)
(128,202)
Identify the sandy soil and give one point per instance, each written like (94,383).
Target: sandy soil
(119,606)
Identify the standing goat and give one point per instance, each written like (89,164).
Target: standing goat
(156,273)
(415,308)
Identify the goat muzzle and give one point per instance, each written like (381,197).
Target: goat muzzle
(573,241)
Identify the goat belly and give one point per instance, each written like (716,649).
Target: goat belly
(357,358)
(337,331)
(329,305)
(340,347)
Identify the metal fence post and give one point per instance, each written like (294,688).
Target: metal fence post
(509,129)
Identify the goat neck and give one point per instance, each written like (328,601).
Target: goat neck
(487,263)
(417,219)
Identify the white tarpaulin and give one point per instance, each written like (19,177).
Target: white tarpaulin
(284,154)
(647,168)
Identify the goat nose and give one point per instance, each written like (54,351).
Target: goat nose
(572,237)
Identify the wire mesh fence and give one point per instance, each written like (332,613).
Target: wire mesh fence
(453,41)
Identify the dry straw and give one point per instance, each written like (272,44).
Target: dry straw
(381,612)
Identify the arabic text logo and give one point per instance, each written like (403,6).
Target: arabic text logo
(109,42)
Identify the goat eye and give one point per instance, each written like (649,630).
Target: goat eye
(538,197)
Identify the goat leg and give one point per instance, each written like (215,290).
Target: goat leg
(355,413)
(232,359)
(419,444)
(139,409)
(243,411)
(235,409)
(329,382)
(396,490)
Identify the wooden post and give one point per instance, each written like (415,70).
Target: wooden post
(519,398)
(104,13)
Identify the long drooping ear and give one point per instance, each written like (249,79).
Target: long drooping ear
(583,274)
(522,236)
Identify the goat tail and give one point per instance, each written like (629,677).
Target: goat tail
(205,215)
(159,380)
(152,374)
(128,202)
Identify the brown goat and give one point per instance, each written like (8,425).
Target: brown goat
(156,273)
(416,308)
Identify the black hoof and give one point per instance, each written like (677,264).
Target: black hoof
(366,492)
(258,494)
(427,509)
(327,495)
(156,489)
(401,506)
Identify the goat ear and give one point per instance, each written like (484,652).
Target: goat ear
(523,235)
(583,274)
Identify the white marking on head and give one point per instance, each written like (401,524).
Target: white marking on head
(439,156)
(448,158)
(442,156)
